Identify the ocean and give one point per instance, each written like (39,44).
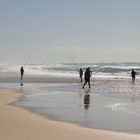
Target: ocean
(99,70)
(113,102)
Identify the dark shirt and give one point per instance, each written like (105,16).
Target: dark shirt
(133,73)
(87,74)
(22,70)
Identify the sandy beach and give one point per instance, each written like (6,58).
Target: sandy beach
(20,124)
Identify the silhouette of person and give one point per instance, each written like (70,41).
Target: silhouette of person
(87,77)
(21,72)
(81,75)
(133,75)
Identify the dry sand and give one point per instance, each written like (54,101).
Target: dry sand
(19,124)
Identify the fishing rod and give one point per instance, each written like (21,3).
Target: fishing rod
(95,71)
(26,62)
(74,63)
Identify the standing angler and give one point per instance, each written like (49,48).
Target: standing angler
(133,75)
(81,75)
(87,77)
(21,72)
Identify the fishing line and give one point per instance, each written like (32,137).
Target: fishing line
(74,62)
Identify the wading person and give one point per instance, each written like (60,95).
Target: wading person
(81,75)
(21,72)
(133,75)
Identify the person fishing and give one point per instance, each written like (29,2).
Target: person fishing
(21,72)
(87,77)
(81,74)
(133,75)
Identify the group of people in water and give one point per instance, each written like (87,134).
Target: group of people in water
(87,76)
(88,73)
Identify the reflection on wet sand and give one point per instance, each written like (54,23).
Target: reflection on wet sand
(87,99)
(21,82)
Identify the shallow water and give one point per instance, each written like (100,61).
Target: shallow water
(112,105)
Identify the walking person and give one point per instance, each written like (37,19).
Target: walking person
(87,77)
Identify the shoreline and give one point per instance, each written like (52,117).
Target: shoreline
(38,79)
(52,118)
(19,123)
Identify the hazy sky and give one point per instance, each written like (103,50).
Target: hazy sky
(53,31)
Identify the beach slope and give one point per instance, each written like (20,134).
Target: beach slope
(19,124)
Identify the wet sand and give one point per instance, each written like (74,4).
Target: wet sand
(19,124)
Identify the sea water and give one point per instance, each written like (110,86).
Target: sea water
(114,101)
(99,70)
